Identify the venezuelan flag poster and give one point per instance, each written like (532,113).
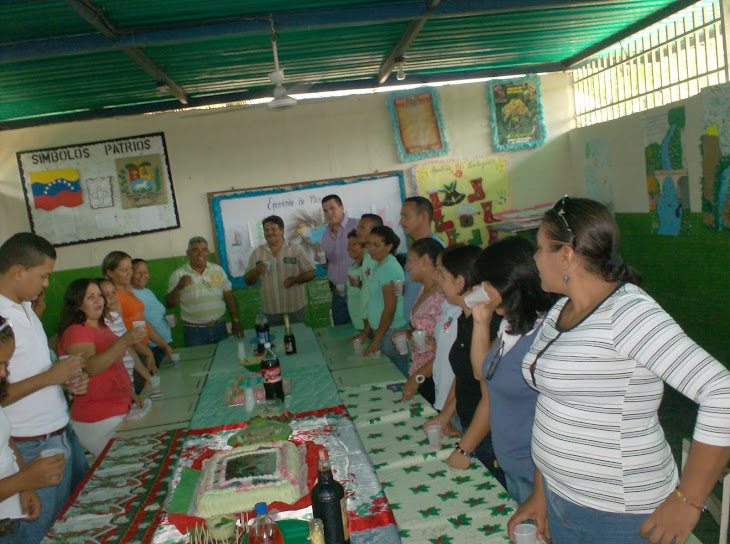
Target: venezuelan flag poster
(54,188)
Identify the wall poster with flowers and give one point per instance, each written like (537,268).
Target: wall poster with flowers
(516,113)
(465,194)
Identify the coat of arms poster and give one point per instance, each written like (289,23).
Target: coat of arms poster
(99,190)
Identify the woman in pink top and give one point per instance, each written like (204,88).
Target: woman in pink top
(82,331)
(421,264)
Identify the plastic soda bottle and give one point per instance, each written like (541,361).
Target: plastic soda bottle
(262,331)
(264,530)
(271,374)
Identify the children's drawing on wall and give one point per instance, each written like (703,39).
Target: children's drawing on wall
(715,147)
(666,172)
(465,195)
(597,171)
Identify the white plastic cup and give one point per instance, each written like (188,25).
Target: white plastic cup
(399,287)
(476,297)
(354,274)
(526,533)
(138,324)
(171,320)
(155,382)
(241,351)
(433,432)
(357,346)
(50,452)
(401,344)
(321,257)
(419,337)
(340,288)
(175,358)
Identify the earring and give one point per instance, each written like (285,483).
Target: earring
(566,278)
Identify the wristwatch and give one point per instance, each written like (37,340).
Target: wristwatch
(420,378)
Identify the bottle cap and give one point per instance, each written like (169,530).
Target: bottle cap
(261,508)
(323,454)
(267,345)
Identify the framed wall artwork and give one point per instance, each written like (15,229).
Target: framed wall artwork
(418,128)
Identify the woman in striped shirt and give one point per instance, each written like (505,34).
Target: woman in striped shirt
(604,471)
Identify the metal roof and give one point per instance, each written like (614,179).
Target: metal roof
(81,59)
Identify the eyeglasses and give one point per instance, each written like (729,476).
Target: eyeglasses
(494,363)
(559,210)
(533,366)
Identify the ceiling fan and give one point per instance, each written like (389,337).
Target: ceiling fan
(281,100)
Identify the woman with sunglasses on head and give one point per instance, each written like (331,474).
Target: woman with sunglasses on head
(455,272)
(605,472)
(510,279)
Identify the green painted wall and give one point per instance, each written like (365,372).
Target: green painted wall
(318,295)
(688,275)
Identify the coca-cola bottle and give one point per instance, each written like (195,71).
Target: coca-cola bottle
(290,343)
(271,374)
(264,530)
(262,331)
(328,503)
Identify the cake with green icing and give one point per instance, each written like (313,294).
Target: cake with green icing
(260,429)
(235,480)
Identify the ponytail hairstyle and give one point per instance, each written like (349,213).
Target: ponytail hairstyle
(427,246)
(508,266)
(389,237)
(590,229)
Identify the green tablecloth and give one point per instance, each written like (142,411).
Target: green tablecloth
(312,384)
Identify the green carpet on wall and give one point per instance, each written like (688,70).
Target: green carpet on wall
(318,296)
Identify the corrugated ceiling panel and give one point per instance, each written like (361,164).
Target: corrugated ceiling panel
(38,19)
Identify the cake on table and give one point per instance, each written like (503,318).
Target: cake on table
(235,480)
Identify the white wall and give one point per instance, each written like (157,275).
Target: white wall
(214,151)
(625,138)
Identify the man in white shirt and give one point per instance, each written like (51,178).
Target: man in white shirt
(35,404)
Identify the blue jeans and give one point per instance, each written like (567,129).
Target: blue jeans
(340,315)
(518,486)
(53,498)
(573,524)
(402,362)
(197,336)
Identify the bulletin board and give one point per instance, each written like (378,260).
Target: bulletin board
(99,190)
(236,215)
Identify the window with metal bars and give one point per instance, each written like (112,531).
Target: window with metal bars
(669,61)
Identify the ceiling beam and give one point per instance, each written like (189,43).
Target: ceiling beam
(265,92)
(92,14)
(406,39)
(403,10)
(630,30)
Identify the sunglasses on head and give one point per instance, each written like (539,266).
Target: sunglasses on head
(559,210)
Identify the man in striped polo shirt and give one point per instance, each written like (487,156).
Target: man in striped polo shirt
(283,269)
(204,292)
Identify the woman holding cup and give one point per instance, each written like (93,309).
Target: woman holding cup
(455,272)
(511,282)
(19,502)
(421,264)
(82,331)
(384,309)
(117,268)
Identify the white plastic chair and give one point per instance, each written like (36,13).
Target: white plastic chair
(718,507)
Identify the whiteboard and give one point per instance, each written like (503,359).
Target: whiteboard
(237,214)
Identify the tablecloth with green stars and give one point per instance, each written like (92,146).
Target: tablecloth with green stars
(432,502)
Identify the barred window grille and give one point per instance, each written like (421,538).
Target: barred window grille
(669,61)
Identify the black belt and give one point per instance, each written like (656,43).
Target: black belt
(40,436)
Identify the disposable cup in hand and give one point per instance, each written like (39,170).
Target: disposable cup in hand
(155,382)
(354,274)
(50,452)
(137,324)
(401,344)
(476,297)
(171,320)
(321,257)
(433,432)
(357,346)
(340,287)
(175,358)
(526,533)
(399,285)
(419,337)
